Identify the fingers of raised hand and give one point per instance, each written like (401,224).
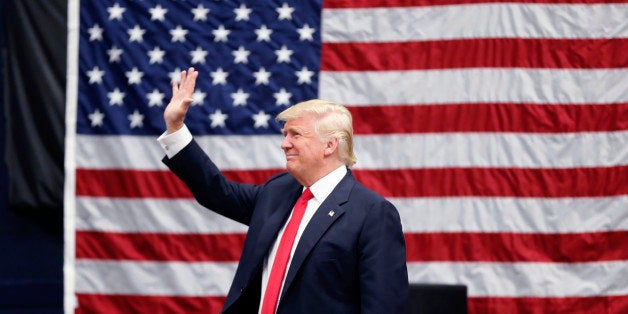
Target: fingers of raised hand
(188,80)
(175,88)
(185,87)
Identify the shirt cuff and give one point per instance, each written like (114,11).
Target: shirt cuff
(174,142)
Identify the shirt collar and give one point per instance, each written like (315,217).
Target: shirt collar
(323,187)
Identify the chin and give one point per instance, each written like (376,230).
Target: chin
(289,166)
(292,168)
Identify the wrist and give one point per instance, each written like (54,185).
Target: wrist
(173,127)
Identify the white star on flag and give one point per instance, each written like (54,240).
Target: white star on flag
(304,76)
(198,55)
(200,13)
(241,55)
(96,118)
(95,33)
(114,54)
(115,12)
(263,33)
(178,34)
(242,13)
(261,119)
(219,77)
(239,97)
(306,33)
(221,33)
(283,54)
(134,76)
(155,98)
(136,119)
(261,77)
(175,75)
(218,119)
(95,75)
(282,97)
(156,55)
(136,34)
(199,98)
(116,97)
(285,12)
(158,13)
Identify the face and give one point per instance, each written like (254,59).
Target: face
(305,152)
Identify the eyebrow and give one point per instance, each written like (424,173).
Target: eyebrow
(294,129)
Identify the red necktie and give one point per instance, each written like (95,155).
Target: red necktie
(278,270)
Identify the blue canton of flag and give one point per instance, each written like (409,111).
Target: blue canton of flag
(255,59)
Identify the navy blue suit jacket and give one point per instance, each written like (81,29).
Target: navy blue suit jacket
(353,261)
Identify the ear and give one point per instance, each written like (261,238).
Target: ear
(331,146)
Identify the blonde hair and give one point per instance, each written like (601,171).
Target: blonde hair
(334,121)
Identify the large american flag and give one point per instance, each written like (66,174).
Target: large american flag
(499,129)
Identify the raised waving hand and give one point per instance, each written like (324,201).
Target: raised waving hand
(175,112)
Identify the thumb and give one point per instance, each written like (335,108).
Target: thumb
(175,112)
(187,101)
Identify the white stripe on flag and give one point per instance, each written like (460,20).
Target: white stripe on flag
(491,150)
(452,214)
(509,214)
(154,278)
(150,215)
(542,86)
(527,279)
(483,279)
(506,20)
(394,151)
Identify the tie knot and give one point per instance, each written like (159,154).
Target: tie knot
(307,195)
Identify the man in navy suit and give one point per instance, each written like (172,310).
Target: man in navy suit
(348,254)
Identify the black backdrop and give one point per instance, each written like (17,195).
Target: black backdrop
(33,38)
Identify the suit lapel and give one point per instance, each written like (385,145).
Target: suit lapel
(325,216)
(272,224)
(264,236)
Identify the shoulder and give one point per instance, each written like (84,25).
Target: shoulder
(281,178)
(279,182)
(360,192)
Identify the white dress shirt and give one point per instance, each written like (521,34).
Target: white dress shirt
(320,189)
(176,141)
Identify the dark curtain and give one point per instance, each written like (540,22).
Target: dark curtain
(33,42)
(35,67)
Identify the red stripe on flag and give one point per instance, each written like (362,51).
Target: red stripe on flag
(486,117)
(159,246)
(129,183)
(438,246)
(517,247)
(572,305)
(475,53)
(524,182)
(102,303)
(98,303)
(155,184)
(346,4)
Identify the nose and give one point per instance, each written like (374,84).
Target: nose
(285,144)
